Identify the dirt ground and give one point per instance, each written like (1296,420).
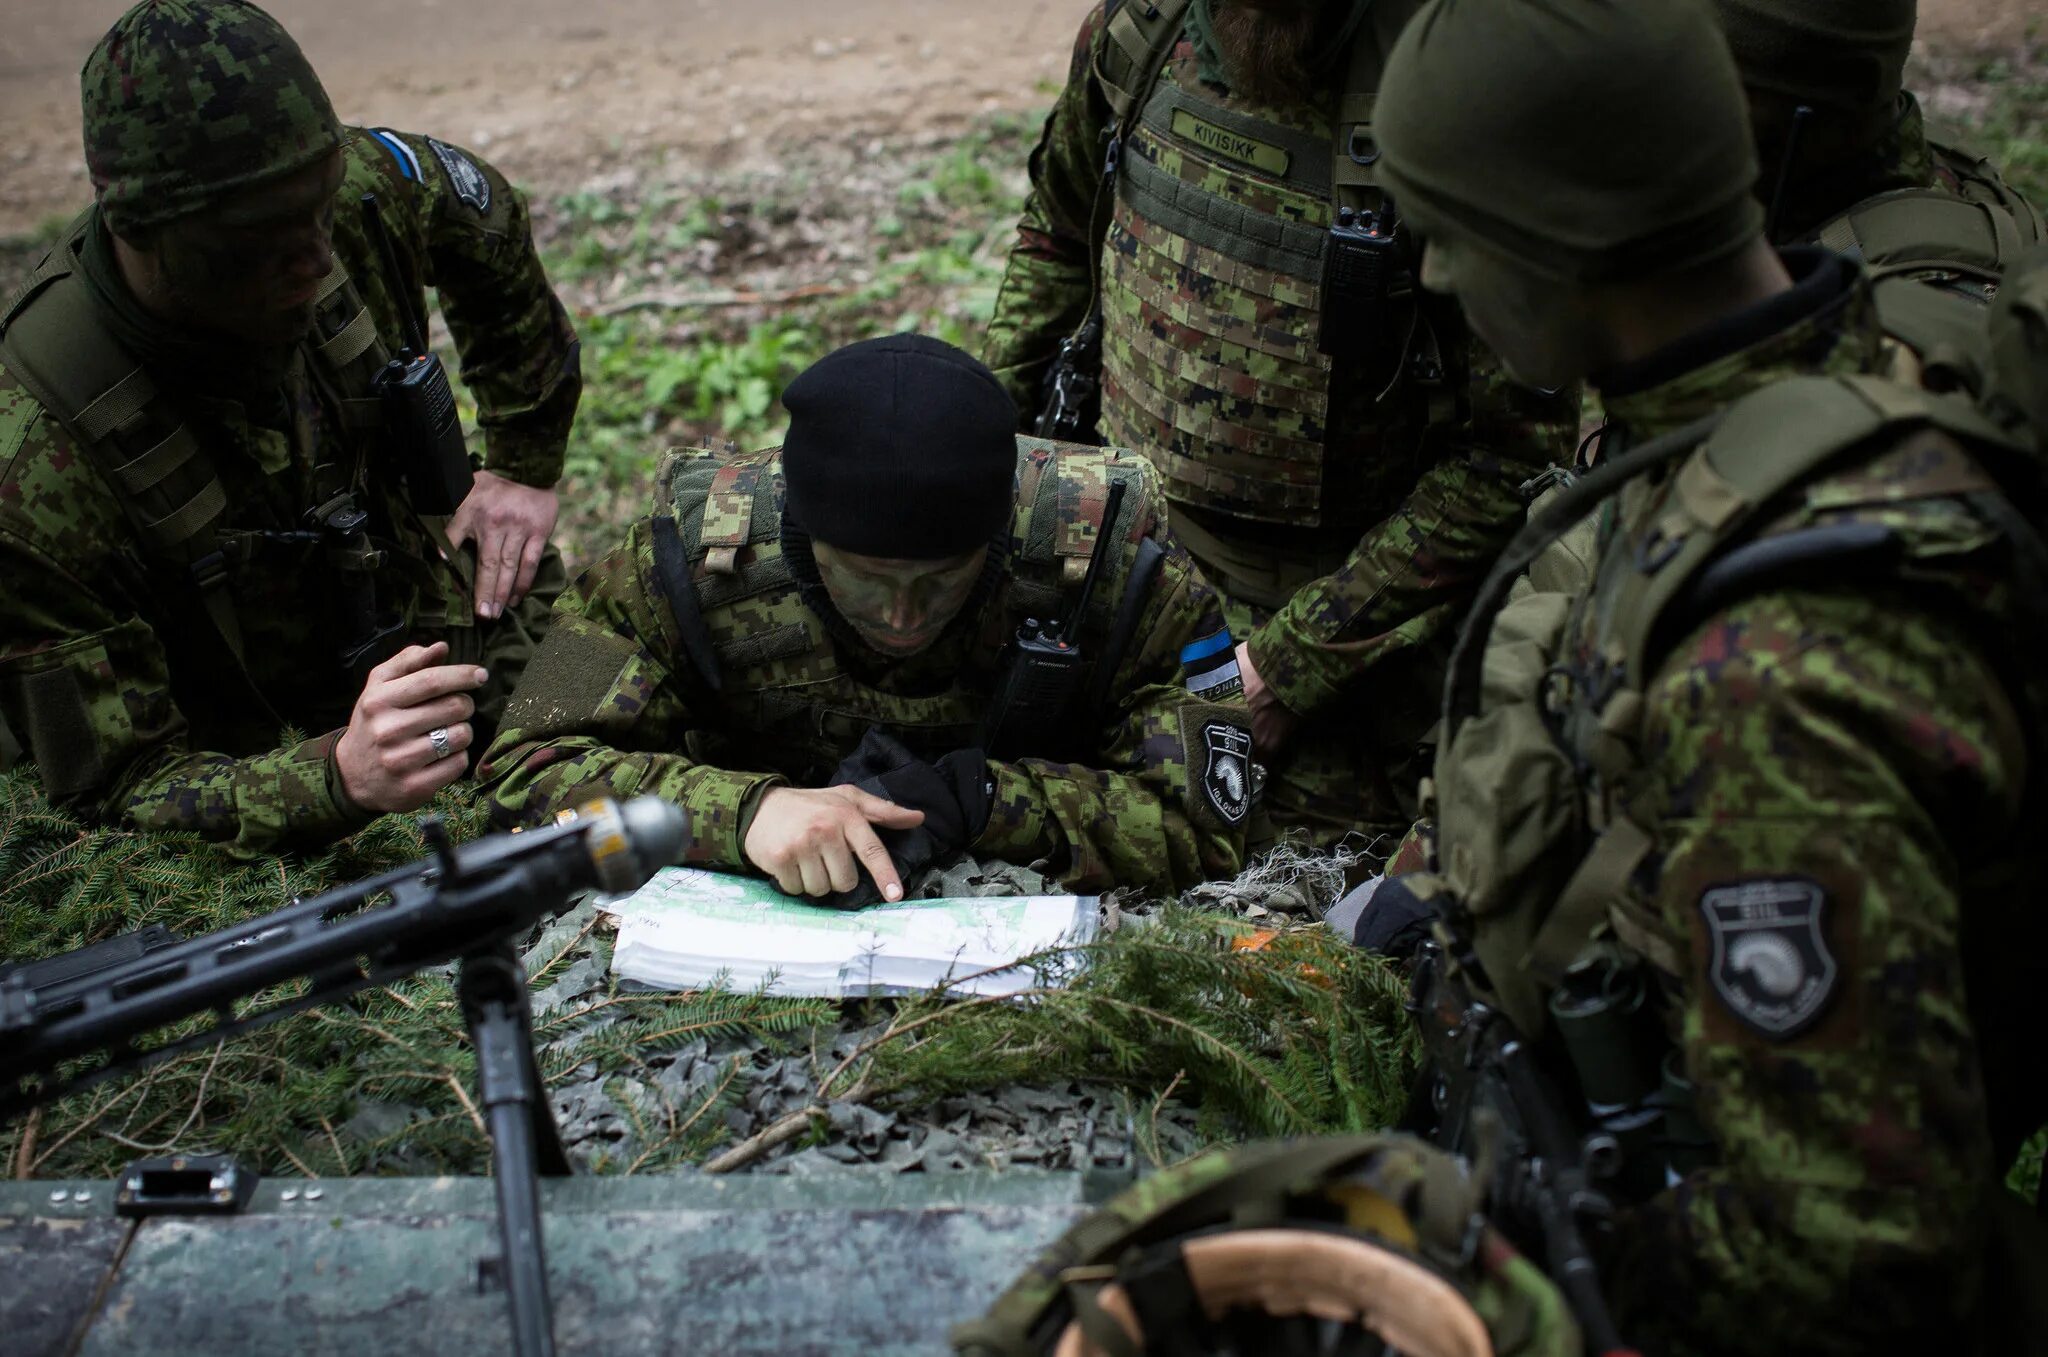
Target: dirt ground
(554,93)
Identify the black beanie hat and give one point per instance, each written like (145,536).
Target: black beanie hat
(901,447)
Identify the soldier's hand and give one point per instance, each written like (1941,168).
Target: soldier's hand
(815,841)
(407,737)
(1272,723)
(510,524)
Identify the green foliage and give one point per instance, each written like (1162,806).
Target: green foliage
(697,308)
(1306,1035)
(2025,1177)
(2007,120)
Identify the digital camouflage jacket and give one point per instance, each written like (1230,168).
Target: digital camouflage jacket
(1212,371)
(113,678)
(615,701)
(1792,776)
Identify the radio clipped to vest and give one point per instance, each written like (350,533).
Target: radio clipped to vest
(1362,272)
(419,406)
(1040,683)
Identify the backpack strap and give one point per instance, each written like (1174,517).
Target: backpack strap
(1917,229)
(53,341)
(1769,443)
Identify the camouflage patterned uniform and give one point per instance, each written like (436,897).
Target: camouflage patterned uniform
(112,677)
(613,700)
(1345,510)
(1801,820)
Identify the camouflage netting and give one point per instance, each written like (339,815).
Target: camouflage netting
(1184,1024)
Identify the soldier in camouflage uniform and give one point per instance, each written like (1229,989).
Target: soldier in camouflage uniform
(1775,771)
(1342,465)
(740,650)
(213,535)
(1847,163)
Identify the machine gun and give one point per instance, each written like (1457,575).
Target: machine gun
(470,904)
(1486,1099)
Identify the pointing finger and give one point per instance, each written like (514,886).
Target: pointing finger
(876,858)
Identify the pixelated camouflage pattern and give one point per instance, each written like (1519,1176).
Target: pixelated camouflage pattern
(1210,363)
(1863,739)
(1430,479)
(613,703)
(180,739)
(1394,1190)
(186,100)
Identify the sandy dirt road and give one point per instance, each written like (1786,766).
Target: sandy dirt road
(553,92)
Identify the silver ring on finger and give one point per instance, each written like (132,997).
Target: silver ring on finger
(443,746)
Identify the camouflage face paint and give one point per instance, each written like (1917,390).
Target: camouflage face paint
(897,606)
(249,266)
(1536,326)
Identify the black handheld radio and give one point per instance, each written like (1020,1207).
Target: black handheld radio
(419,406)
(1043,665)
(1361,268)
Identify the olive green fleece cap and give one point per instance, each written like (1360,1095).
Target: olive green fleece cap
(1847,54)
(189,100)
(1591,140)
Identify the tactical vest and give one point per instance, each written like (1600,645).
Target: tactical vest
(54,342)
(1936,255)
(768,664)
(1212,274)
(1545,713)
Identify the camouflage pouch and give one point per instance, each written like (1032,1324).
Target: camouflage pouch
(1508,803)
(1257,1242)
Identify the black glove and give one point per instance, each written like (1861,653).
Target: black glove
(953,793)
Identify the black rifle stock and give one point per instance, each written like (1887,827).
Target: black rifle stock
(1486,1098)
(471,904)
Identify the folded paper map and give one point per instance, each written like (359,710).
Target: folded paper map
(691,929)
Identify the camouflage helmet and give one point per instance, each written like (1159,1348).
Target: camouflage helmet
(188,100)
(1845,54)
(1381,1229)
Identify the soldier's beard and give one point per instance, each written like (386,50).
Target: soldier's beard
(1266,46)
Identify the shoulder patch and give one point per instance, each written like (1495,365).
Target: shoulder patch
(1224,772)
(1769,963)
(469,183)
(408,163)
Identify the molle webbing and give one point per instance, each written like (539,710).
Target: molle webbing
(1216,223)
(1215,220)
(1210,302)
(1140,32)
